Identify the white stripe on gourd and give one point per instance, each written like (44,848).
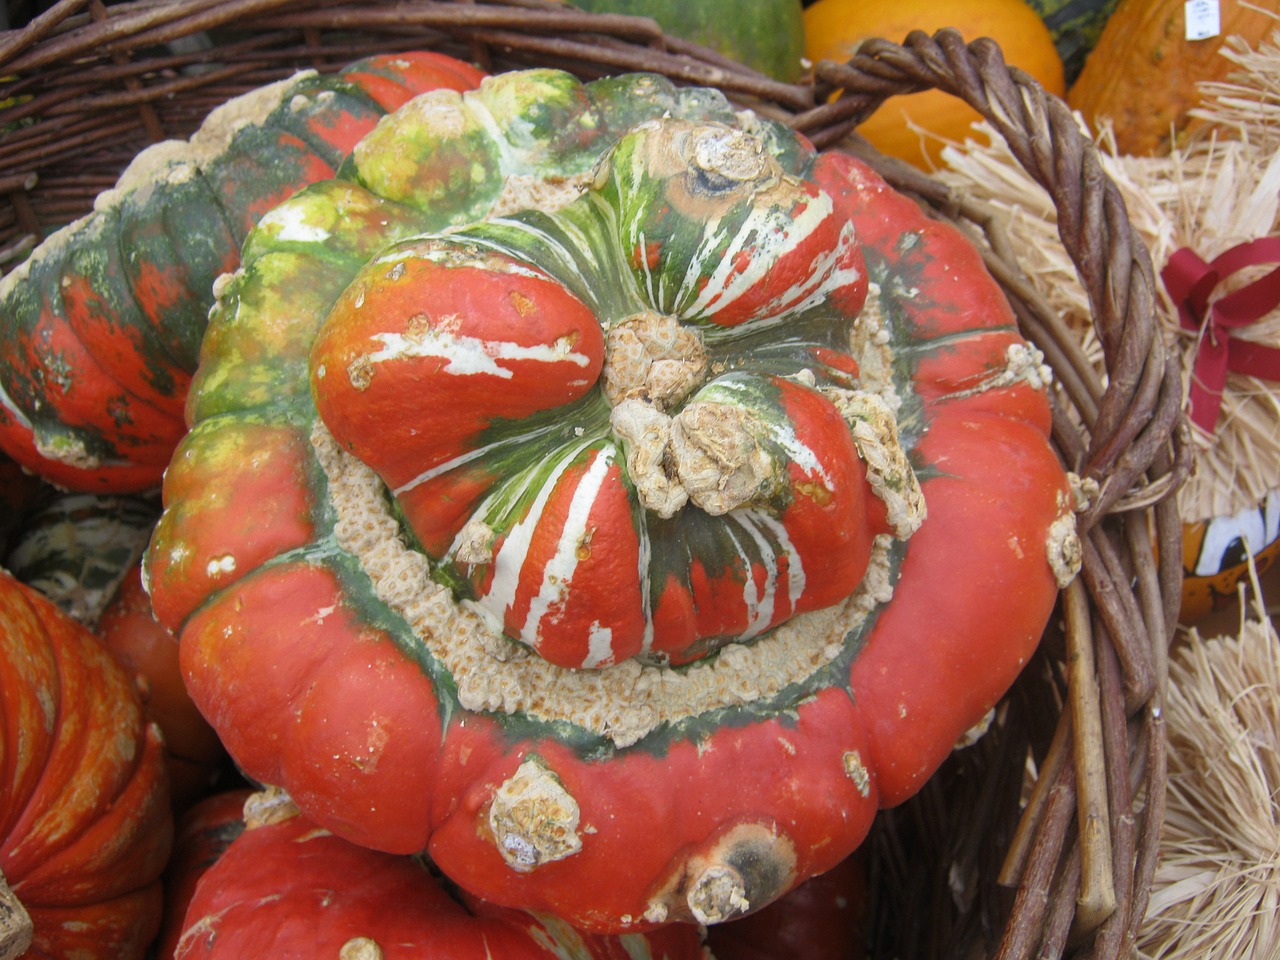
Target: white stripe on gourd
(466,356)
(773,232)
(511,556)
(557,576)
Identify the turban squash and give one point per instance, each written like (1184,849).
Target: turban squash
(284,887)
(595,488)
(85,821)
(100,327)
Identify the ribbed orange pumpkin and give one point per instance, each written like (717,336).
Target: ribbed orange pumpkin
(834,29)
(85,822)
(1144,74)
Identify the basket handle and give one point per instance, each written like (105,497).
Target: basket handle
(1137,427)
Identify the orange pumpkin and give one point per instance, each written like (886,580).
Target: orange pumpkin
(85,823)
(834,29)
(1144,73)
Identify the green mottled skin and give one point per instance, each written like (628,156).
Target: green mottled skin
(767,35)
(313,245)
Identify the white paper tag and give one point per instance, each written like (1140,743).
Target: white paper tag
(1204,19)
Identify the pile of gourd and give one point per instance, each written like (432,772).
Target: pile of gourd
(582,507)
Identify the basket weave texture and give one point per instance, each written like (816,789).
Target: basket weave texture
(988,861)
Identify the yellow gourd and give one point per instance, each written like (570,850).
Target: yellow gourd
(835,28)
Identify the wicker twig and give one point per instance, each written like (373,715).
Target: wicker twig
(81,82)
(45,23)
(1097,899)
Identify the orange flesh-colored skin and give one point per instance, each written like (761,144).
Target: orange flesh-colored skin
(916,697)
(1144,77)
(18,442)
(608,593)
(999,474)
(84,803)
(91,398)
(117,342)
(344,690)
(393,79)
(783,774)
(245,486)
(291,889)
(398,782)
(934,661)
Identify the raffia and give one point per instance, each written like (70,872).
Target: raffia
(1219,189)
(1216,891)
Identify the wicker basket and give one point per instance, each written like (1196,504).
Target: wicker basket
(989,860)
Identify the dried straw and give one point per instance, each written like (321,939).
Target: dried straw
(1216,892)
(1220,189)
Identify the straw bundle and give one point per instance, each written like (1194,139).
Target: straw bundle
(1219,190)
(1216,892)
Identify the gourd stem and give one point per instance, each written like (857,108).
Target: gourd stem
(15,924)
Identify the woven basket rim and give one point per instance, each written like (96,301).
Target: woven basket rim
(93,84)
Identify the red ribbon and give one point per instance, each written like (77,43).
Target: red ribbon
(1191,283)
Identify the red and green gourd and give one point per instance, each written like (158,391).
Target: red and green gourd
(100,327)
(595,475)
(286,888)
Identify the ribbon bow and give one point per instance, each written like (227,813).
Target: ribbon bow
(1191,283)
